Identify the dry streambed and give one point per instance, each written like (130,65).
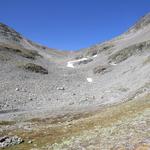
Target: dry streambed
(123,126)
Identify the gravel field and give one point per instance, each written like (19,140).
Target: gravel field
(37,82)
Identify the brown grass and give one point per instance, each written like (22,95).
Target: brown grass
(4,123)
(65,129)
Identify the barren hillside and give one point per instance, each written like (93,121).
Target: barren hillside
(97,98)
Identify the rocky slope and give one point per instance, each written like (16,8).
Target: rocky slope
(76,100)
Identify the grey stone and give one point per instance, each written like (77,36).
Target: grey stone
(9,141)
(17,89)
(61,88)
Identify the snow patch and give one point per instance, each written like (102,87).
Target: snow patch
(82,59)
(89,80)
(70,64)
(113,64)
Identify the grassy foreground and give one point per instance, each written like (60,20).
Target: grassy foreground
(123,126)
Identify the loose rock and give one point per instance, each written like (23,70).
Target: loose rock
(29,142)
(9,141)
(60,88)
(17,89)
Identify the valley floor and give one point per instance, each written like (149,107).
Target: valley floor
(97,98)
(125,126)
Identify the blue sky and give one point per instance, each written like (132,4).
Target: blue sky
(71,24)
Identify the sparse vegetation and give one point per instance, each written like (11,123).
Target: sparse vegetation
(4,57)
(125,53)
(9,33)
(34,68)
(99,69)
(92,53)
(101,105)
(30,54)
(107,47)
(109,121)
(4,123)
(98,49)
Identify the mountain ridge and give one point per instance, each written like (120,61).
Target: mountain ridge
(94,98)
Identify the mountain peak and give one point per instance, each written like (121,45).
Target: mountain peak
(143,22)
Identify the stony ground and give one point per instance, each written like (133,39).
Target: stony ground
(123,126)
(95,98)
